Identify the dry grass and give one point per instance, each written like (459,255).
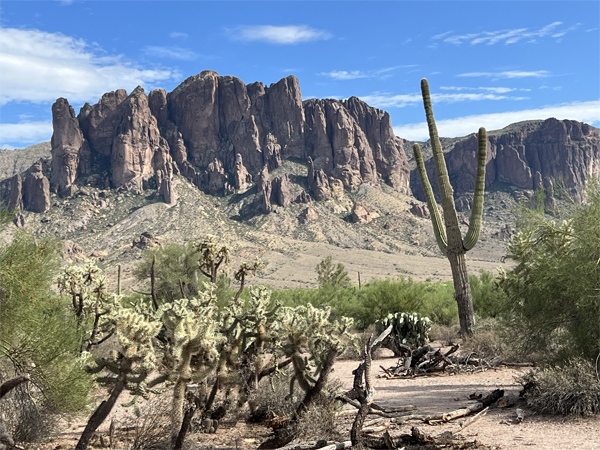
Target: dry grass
(271,403)
(151,429)
(447,334)
(572,389)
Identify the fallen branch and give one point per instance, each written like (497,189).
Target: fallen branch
(472,420)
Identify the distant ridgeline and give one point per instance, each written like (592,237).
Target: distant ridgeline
(225,136)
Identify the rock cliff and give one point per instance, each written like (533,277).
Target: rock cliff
(527,155)
(221,134)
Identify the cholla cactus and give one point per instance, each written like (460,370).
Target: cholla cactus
(310,329)
(130,365)
(408,330)
(91,300)
(212,256)
(192,329)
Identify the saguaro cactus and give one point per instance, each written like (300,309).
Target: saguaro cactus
(448,237)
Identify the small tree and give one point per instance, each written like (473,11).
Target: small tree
(37,335)
(328,274)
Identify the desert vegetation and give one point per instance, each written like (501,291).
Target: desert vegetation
(206,345)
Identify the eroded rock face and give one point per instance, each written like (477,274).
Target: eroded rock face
(15,201)
(264,187)
(69,148)
(558,149)
(135,141)
(282,191)
(219,133)
(36,190)
(242,178)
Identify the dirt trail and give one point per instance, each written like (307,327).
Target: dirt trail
(497,428)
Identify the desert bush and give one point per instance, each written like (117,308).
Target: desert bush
(488,299)
(570,389)
(490,341)
(553,293)
(272,403)
(150,429)
(175,266)
(328,274)
(447,334)
(24,419)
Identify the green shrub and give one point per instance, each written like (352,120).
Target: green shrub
(176,266)
(328,274)
(553,293)
(488,299)
(378,298)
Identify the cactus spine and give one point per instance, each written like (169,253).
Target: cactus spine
(449,237)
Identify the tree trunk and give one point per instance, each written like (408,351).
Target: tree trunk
(462,289)
(103,409)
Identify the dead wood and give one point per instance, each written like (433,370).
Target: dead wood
(9,385)
(472,420)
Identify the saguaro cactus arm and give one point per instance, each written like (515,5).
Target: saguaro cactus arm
(477,209)
(446,191)
(436,219)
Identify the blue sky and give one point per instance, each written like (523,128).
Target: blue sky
(488,63)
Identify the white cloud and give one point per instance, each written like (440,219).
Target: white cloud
(383,100)
(179,35)
(18,135)
(508,74)
(496,90)
(582,111)
(39,67)
(510,36)
(355,74)
(173,52)
(289,34)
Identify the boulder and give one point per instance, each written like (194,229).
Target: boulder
(19,220)
(308,215)
(72,251)
(145,240)
(281,191)
(360,214)
(419,210)
(303,197)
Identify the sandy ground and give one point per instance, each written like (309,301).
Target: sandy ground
(498,429)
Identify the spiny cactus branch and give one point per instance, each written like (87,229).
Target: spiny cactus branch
(434,212)
(477,209)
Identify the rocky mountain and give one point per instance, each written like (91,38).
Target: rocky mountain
(19,160)
(221,135)
(279,178)
(527,155)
